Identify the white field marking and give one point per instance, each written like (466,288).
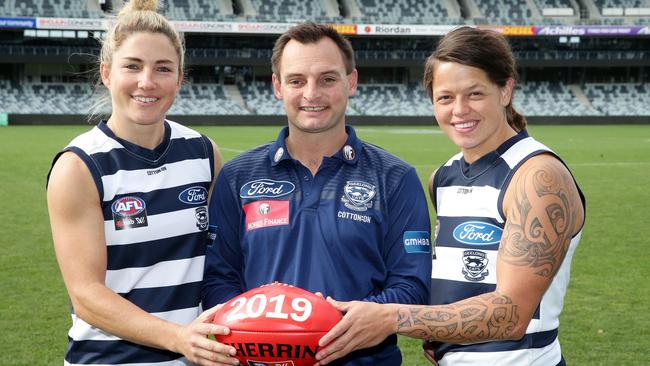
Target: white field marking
(231,150)
(612,163)
(399,131)
(426,166)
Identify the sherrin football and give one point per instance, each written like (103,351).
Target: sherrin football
(276,325)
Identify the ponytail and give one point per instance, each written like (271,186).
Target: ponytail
(515,119)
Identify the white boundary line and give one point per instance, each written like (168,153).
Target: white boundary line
(231,150)
(399,131)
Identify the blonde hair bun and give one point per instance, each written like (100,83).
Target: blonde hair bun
(139,5)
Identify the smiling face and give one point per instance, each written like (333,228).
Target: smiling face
(314,86)
(470,108)
(143,79)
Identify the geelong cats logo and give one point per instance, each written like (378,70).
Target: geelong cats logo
(474,265)
(358,195)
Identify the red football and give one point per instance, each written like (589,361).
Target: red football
(276,325)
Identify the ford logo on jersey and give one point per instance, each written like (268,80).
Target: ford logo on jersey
(266,188)
(194,195)
(477,233)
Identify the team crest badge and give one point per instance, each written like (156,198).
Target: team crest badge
(474,265)
(358,195)
(201,214)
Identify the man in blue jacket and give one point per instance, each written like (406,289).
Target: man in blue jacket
(319,208)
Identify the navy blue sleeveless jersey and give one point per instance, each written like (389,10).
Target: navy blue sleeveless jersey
(357,230)
(468,200)
(155,223)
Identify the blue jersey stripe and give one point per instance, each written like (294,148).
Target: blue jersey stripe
(148,253)
(158,201)
(122,159)
(447,292)
(161,299)
(531,340)
(445,238)
(115,352)
(497,169)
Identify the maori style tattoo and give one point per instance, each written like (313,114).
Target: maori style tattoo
(490,316)
(541,221)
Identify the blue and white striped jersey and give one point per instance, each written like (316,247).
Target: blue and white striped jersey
(468,201)
(155,223)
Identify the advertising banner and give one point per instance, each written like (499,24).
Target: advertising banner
(17,22)
(511,30)
(403,30)
(71,23)
(203,27)
(592,30)
(262,28)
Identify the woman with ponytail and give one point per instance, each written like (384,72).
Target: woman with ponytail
(509,218)
(128,210)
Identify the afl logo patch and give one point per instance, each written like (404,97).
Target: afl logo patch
(477,233)
(358,195)
(278,154)
(348,152)
(194,195)
(129,212)
(264,208)
(128,206)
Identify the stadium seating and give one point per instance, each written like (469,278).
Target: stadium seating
(557,4)
(289,10)
(260,99)
(50,8)
(54,98)
(205,99)
(390,100)
(257,98)
(195,10)
(619,99)
(614,4)
(515,12)
(408,12)
(77,98)
(550,99)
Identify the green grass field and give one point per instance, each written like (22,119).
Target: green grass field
(606,320)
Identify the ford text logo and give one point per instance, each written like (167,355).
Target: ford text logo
(194,195)
(266,188)
(128,206)
(477,233)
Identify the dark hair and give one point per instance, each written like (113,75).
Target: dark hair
(484,49)
(311,33)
